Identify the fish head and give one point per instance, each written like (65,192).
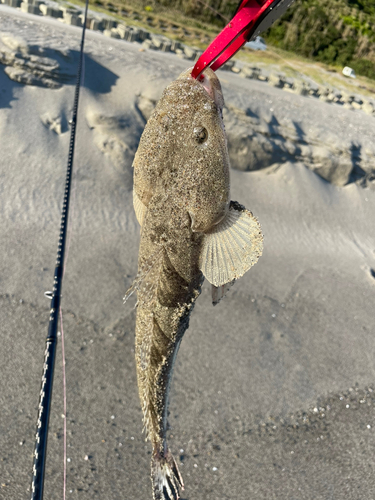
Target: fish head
(183,151)
(202,149)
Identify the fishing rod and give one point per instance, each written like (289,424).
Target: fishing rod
(40,452)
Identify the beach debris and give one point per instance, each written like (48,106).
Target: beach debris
(258,44)
(347,71)
(190,230)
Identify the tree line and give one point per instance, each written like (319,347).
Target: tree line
(337,32)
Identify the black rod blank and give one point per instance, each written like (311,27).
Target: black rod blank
(51,342)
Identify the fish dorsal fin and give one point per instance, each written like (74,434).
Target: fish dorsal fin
(139,208)
(231,247)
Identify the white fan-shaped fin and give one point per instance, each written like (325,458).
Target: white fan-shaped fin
(139,208)
(231,247)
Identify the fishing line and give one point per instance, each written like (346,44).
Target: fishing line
(72,218)
(226,19)
(70,232)
(37,483)
(64,398)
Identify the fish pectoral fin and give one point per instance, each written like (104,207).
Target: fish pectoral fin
(139,208)
(231,247)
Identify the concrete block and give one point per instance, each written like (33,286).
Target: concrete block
(96,24)
(72,19)
(46,10)
(12,3)
(300,88)
(57,13)
(112,33)
(109,24)
(166,46)
(129,34)
(276,81)
(143,35)
(326,94)
(227,66)
(368,108)
(31,9)
(88,20)
(331,97)
(251,72)
(175,45)
(247,72)
(157,40)
(132,37)
(65,10)
(190,53)
(123,30)
(288,84)
(314,91)
(147,44)
(36,3)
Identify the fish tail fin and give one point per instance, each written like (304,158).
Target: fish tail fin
(165,477)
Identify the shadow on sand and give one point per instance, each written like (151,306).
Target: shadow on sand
(96,77)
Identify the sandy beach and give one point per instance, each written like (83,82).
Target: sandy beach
(273,392)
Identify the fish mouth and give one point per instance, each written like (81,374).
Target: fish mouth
(211,84)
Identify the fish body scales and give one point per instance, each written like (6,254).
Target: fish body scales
(165,301)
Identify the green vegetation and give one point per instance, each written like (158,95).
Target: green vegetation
(337,32)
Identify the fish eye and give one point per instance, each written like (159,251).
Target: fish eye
(200,134)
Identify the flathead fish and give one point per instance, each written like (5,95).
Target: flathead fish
(190,230)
